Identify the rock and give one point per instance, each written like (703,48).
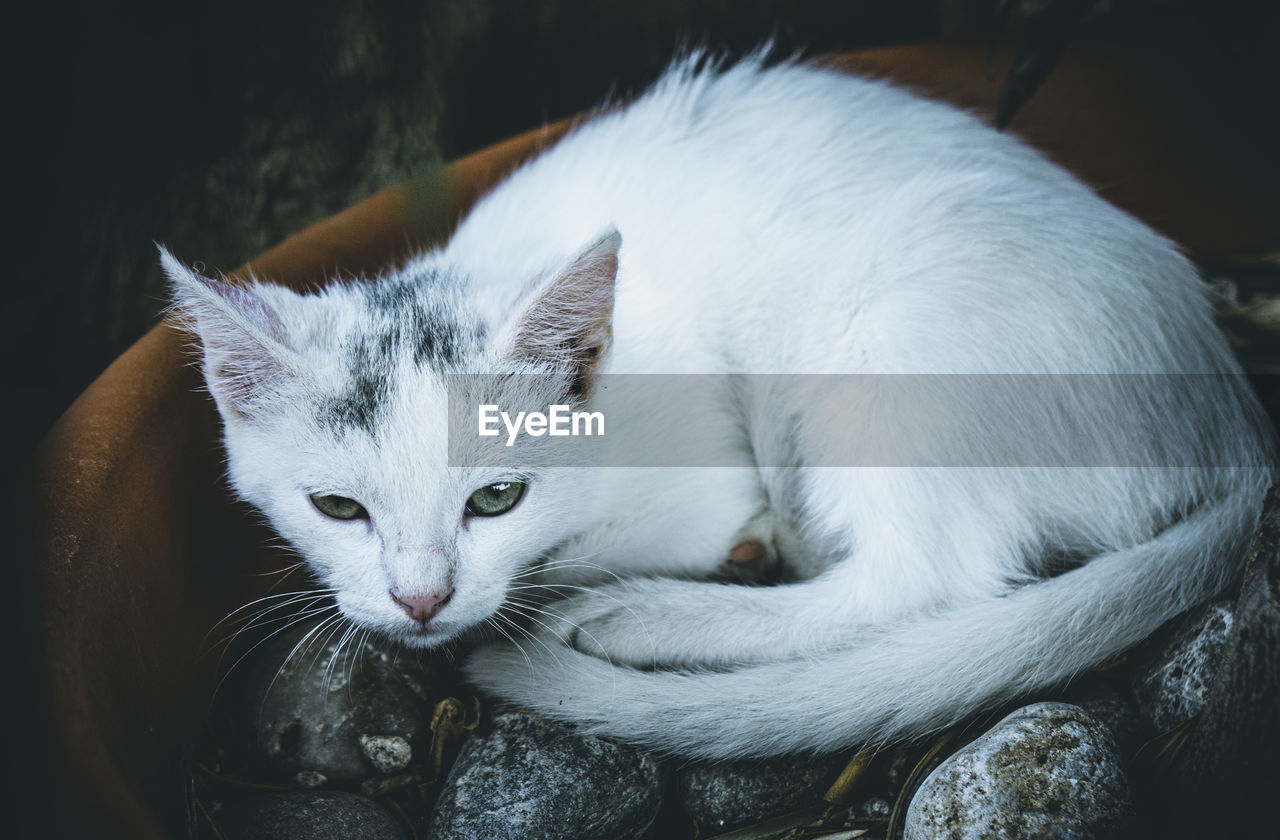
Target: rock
(387,753)
(308,814)
(1220,780)
(874,808)
(726,795)
(1176,669)
(530,777)
(1111,702)
(1048,770)
(340,713)
(310,779)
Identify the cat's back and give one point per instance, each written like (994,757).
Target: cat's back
(750,198)
(741,149)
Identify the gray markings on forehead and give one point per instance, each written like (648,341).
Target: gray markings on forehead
(368,385)
(409,319)
(425,315)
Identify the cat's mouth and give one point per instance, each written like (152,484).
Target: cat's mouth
(431,635)
(413,634)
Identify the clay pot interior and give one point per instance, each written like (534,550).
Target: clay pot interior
(140,549)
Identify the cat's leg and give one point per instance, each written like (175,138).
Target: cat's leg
(678,622)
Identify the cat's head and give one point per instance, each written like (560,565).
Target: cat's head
(335,410)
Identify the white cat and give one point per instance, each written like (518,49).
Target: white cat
(766,221)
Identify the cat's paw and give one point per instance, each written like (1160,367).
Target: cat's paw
(611,623)
(752,557)
(657,623)
(750,561)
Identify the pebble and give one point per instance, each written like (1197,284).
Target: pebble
(529,777)
(1049,770)
(308,814)
(387,753)
(1176,669)
(1222,780)
(354,719)
(1111,702)
(726,795)
(875,808)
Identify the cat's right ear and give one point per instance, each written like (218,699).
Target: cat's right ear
(241,335)
(568,319)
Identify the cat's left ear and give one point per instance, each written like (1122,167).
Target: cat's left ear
(570,318)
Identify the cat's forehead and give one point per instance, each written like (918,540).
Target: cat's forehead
(423,311)
(398,328)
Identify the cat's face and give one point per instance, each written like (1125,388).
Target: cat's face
(335,415)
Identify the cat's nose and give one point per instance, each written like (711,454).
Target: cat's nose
(422,607)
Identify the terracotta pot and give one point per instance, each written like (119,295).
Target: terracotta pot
(139,549)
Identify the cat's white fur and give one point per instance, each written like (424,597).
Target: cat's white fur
(773,221)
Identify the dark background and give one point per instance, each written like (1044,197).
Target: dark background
(219,127)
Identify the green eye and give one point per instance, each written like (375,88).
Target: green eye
(495,499)
(339,507)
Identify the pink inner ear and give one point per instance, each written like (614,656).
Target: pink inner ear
(574,309)
(248,304)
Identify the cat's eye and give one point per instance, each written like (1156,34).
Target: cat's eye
(495,499)
(338,507)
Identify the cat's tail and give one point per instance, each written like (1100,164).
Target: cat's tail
(899,680)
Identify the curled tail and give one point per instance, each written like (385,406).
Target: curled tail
(898,680)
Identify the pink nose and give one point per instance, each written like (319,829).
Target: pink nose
(422,608)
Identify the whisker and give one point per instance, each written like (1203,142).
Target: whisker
(347,634)
(259,619)
(334,627)
(521,606)
(307,638)
(533,571)
(555,560)
(559,562)
(573,586)
(301,593)
(285,572)
(228,643)
(525,631)
(599,592)
(491,620)
(263,641)
(357,659)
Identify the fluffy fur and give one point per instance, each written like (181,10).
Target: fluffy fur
(766,221)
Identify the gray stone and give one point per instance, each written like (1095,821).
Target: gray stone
(875,808)
(1112,703)
(312,712)
(1220,780)
(1048,770)
(310,779)
(308,814)
(725,795)
(387,753)
(529,777)
(1176,669)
